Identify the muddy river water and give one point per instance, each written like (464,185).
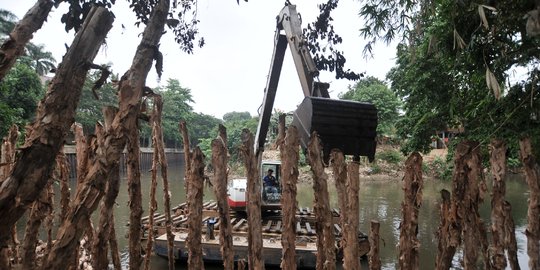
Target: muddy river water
(379,200)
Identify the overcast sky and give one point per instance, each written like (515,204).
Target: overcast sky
(229,73)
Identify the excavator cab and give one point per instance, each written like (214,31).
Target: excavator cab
(349,126)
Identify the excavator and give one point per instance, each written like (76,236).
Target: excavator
(349,126)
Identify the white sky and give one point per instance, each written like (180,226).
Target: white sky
(229,73)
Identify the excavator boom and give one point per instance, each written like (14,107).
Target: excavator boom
(346,125)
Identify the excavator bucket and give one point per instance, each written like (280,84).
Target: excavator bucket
(347,125)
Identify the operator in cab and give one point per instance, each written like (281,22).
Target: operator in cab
(270,182)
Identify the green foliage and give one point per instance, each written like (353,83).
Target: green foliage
(235,125)
(7,22)
(390,156)
(202,127)
(176,106)
(20,92)
(38,58)
(441,168)
(374,91)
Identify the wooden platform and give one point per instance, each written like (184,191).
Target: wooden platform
(272,228)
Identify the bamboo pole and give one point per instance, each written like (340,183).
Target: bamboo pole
(290,154)
(219,162)
(195,198)
(374,240)
(253,193)
(326,255)
(409,244)
(532,175)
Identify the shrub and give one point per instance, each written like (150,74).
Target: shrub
(390,156)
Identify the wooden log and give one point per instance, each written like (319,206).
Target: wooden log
(323,215)
(113,244)
(510,241)
(195,198)
(532,175)
(253,197)
(109,151)
(54,116)
(219,162)
(351,252)
(409,244)
(289,154)
(497,160)
(446,233)
(374,240)
(339,168)
(22,33)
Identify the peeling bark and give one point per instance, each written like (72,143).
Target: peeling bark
(497,161)
(510,242)
(408,238)
(281,130)
(532,175)
(133,157)
(111,147)
(99,245)
(339,168)
(187,154)
(159,151)
(326,255)
(7,156)
(447,234)
(113,244)
(152,207)
(289,154)
(253,193)
(350,253)
(195,198)
(54,116)
(13,47)
(219,162)
(374,239)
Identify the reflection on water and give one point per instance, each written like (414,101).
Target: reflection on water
(379,200)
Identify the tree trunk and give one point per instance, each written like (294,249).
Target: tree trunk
(532,175)
(99,245)
(281,130)
(110,149)
(152,208)
(290,154)
(351,255)
(135,196)
(253,193)
(113,244)
(339,168)
(497,161)
(13,47)
(219,162)
(159,150)
(510,242)
(326,256)
(82,148)
(447,234)
(55,114)
(373,255)
(7,156)
(187,153)
(408,237)
(195,199)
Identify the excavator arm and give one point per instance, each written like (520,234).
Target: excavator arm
(346,125)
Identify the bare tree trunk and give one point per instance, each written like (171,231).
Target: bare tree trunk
(113,244)
(447,235)
(532,175)
(339,168)
(219,162)
(110,149)
(281,130)
(253,193)
(152,207)
(290,154)
(408,238)
(135,197)
(195,199)
(47,133)
(157,139)
(510,242)
(373,255)
(99,245)
(353,216)
(13,47)
(7,156)
(498,171)
(187,153)
(326,256)
(50,217)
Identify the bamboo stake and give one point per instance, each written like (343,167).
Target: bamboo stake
(532,175)
(195,199)
(326,256)
(498,171)
(339,168)
(374,239)
(253,193)
(219,162)
(412,188)
(353,215)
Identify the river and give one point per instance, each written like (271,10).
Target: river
(379,200)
